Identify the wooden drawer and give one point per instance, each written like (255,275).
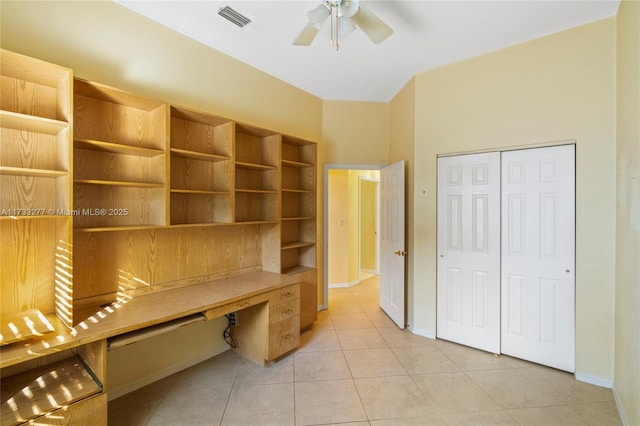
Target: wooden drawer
(284,336)
(91,411)
(285,294)
(283,311)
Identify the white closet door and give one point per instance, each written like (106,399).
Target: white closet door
(538,255)
(468,275)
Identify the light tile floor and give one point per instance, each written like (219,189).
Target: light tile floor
(355,367)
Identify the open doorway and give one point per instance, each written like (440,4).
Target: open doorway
(351,228)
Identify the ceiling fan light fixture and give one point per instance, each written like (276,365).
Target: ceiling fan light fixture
(345,26)
(349,8)
(318,15)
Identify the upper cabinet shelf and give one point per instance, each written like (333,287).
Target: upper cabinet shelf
(257,175)
(35,140)
(110,115)
(120,162)
(201,168)
(34,88)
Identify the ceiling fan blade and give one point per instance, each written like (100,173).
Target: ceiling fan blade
(306,36)
(371,25)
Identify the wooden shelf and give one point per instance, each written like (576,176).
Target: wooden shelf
(298,218)
(20,171)
(115,228)
(296,244)
(254,166)
(32,394)
(31,123)
(301,191)
(298,269)
(118,183)
(116,148)
(24,325)
(198,191)
(298,164)
(198,155)
(256,191)
(255,222)
(34,217)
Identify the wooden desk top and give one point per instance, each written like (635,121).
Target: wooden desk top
(144,311)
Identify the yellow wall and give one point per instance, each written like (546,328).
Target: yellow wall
(368,227)
(559,87)
(105,42)
(354,132)
(343,221)
(627,319)
(337,222)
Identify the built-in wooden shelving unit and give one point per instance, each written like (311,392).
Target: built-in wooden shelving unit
(107,195)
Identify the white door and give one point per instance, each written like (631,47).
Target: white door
(468,246)
(392,248)
(538,255)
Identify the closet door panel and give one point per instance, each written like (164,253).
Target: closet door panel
(538,255)
(468,277)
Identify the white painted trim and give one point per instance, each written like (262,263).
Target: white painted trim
(420,332)
(593,380)
(344,285)
(161,374)
(621,412)
(512,148)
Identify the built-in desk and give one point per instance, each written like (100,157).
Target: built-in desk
(269,322)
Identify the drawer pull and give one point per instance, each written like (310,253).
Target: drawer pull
(289,293)
(288,311)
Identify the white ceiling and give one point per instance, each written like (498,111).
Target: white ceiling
(427,34)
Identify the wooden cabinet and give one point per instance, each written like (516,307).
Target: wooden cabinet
(298,225)
(127,195)
(201,168)
(35,200)
(257,175)
(36,270)
(120,162)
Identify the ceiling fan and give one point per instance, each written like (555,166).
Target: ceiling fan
(345,16)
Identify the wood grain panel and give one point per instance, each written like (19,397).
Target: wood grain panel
(28,264)
(123,205)
(43,89)
(102,165)
(109,115)
(28,97)
(125,261)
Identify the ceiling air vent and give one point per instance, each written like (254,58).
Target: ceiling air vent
(234,16)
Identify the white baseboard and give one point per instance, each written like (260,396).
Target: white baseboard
(593,380)
(620,407)
(161,374)
(424,333)
(344,285)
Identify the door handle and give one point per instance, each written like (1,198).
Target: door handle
(400,252)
